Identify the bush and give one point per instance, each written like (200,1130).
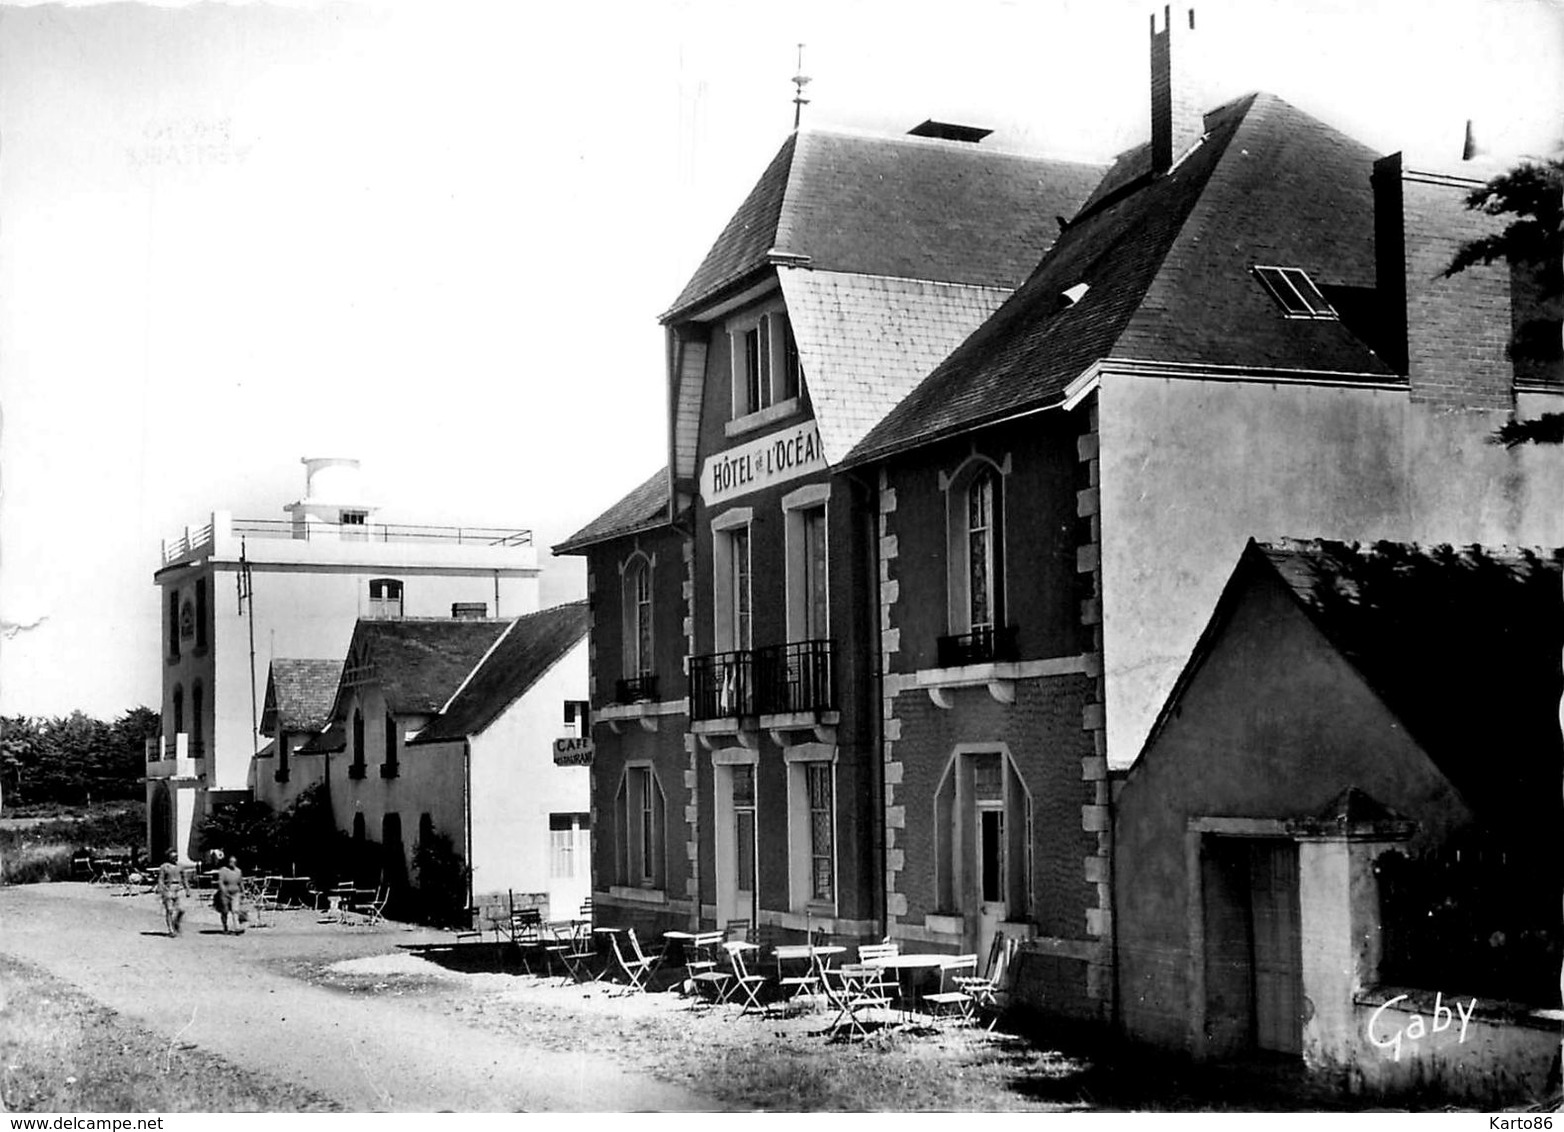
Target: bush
(442,876)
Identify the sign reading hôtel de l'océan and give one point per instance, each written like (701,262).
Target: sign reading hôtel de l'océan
(763,462)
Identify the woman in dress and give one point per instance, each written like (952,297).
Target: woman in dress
(230,887)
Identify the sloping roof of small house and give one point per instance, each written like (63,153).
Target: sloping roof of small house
(1462,645)
(645,508)
(418,662)
(530,647)
(334,738)
(1167,262)
(299,694)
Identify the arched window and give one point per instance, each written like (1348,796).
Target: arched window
(179,710)
(385,597)
(358,827)
(638,618)
(975,564)
(983,560)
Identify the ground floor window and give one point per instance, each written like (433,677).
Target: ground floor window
(639,821)
(812,834)
(569,849)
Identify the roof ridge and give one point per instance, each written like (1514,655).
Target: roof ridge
(949,143)
(473,671)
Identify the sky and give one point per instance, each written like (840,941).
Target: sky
(438,236)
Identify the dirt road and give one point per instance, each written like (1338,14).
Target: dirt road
(233,996)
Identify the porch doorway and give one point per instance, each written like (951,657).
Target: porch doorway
(1253,946)
(160,823)
(982,823)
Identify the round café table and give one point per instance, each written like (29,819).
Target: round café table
(907,968)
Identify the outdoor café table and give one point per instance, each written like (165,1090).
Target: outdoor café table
(602,936)
(853,994)
(907,968)
(681,940)
(796,952)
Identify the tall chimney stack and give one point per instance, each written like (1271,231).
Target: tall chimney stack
(1177,117)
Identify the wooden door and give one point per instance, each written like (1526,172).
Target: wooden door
(1278,946)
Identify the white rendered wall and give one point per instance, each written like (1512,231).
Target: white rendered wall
(1191,469)
(515,786)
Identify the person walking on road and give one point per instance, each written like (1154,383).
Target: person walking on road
(173,890)
(230,889)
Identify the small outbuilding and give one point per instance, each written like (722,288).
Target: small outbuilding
(1336,844)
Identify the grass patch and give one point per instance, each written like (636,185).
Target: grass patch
(60,1051)
(41,852)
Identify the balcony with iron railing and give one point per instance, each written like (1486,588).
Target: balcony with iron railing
(798,678)
(636,689)
(987,645)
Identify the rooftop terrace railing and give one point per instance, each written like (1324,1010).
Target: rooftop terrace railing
(193,539)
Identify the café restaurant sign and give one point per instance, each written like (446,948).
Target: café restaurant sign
(572,752)
(763,462)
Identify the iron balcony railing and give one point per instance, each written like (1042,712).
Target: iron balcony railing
(981,646)
(773,680)
(722,685)
(800,676)
(636,689)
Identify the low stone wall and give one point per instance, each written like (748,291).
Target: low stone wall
(1459,1046)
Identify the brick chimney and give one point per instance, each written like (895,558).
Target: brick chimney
(1449,336)
(1177,116)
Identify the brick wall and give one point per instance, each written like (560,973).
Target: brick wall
(1042,731)
(1452,334)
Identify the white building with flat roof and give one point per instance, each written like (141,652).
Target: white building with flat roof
(239,593)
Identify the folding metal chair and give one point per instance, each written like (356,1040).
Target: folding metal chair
(374,912)
(953,1000)
(706,976)
(884,983)
(574,949)
(739,930)
(988,992)
(848,989)
(744,984)
(636,967)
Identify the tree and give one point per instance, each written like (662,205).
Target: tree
(1531,197)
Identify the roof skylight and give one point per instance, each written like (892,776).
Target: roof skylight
(1295,292)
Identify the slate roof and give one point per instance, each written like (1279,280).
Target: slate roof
(299,694)
(420,662)
(331,740)
(530,647)
(1462,645)
(865,341)
(1168,260)
(643,509)
(906,207)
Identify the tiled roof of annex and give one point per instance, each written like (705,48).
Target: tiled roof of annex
(642,509)
(299,694)
(530,647)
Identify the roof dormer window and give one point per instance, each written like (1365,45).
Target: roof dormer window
(1295,292)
